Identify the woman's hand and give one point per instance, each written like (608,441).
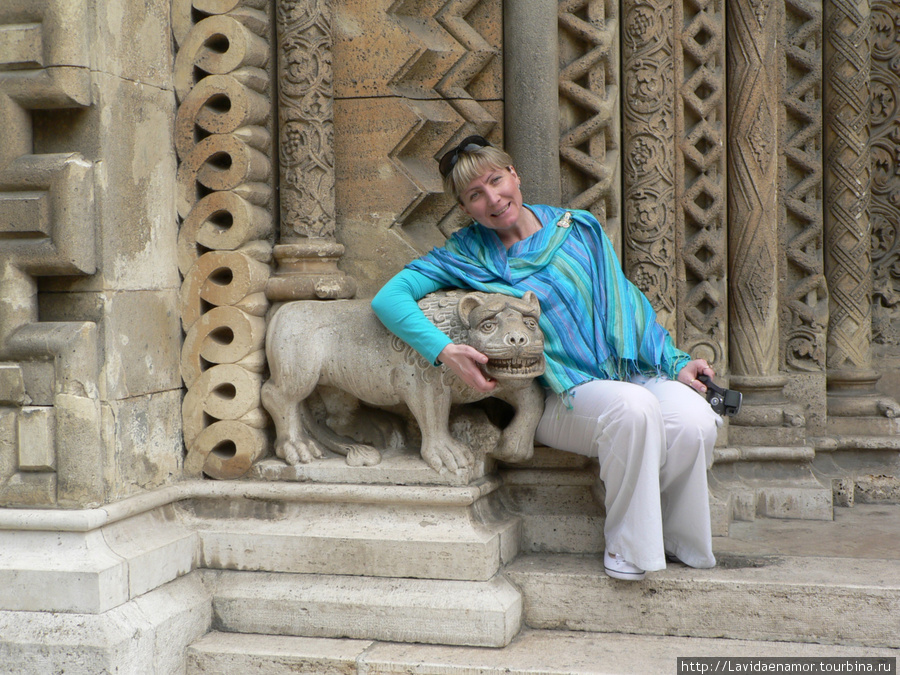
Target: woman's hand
(464,361)
(692,370)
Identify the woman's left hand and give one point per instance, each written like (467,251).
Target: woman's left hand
(693,369)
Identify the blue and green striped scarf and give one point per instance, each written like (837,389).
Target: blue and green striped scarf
(596,323)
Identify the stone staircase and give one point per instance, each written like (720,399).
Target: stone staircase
(781,588)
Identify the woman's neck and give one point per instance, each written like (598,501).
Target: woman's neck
(527,225)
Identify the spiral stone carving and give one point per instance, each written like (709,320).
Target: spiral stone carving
(224,144)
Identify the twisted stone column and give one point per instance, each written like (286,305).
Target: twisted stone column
(848,178)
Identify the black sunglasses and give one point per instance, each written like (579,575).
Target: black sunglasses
(468,144)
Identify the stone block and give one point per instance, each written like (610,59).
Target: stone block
(37,439)
(143,437)
(141,336)
(146,636)
(804,503)
(390,539)
(130,129)
(764,597)
(132,40)
(60,572)
(12,385)
(487,613)
(225,653)
(156,548)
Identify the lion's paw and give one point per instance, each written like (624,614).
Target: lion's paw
(447,455)
(297,452)
(514,449)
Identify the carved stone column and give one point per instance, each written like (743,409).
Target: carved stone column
(700,172)
(804,294)
(308,253)
(848,176)
(753,101)
(589,145)
(648,106)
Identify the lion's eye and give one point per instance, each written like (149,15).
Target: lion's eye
(488,327)
(531,324)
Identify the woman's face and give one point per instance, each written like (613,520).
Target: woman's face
(494,199)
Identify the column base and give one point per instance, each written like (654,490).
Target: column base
(308,271)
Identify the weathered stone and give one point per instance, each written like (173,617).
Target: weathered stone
(344,346)
(37,439)
(485,614)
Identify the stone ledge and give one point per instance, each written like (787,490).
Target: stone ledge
(766,597)
(532,651)
(475,613)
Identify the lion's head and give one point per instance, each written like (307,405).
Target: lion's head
(506,330)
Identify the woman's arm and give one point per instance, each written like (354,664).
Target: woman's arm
(396,305)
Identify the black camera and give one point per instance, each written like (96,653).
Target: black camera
(723,401)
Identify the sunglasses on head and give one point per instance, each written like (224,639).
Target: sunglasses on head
(468,144)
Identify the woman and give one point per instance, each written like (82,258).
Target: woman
(615,381)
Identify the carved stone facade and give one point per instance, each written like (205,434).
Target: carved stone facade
(173,170)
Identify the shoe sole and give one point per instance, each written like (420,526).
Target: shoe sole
(624,576)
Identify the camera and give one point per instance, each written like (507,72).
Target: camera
(723,401)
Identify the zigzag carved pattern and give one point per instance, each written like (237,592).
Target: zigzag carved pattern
(847,231)
(806,294)
(589,146)
(700,179)
(436,80)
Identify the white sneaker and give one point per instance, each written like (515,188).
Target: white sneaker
(617,567)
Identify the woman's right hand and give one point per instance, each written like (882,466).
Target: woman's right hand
(464,361)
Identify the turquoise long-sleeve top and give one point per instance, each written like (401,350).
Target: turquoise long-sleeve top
(596,323)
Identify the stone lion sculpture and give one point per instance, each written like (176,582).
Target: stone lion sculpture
(341,345)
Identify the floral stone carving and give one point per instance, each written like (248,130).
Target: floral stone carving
(340,348)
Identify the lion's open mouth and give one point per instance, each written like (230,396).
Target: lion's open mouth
(518,367)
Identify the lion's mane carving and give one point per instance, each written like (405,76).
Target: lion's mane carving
(341,345)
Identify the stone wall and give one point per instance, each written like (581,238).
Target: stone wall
(91,387)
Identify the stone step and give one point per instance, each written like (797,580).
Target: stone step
(477,613)
(532,652)
(848,601)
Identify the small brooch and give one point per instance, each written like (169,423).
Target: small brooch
(565,221)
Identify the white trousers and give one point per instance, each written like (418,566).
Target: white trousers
(654,438)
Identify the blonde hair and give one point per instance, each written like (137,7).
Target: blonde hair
(470,165)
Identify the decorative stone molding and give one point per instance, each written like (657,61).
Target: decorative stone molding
(49,401)
(307,254)
(648,108)
(700,178)
(223,139)
(848,231)
(589,145)
(754,92)
(885,141)
(805,294)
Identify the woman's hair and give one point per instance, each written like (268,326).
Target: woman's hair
(470,165)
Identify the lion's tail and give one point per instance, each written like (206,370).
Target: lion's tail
(357,454)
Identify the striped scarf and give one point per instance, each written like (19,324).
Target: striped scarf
(596,323)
